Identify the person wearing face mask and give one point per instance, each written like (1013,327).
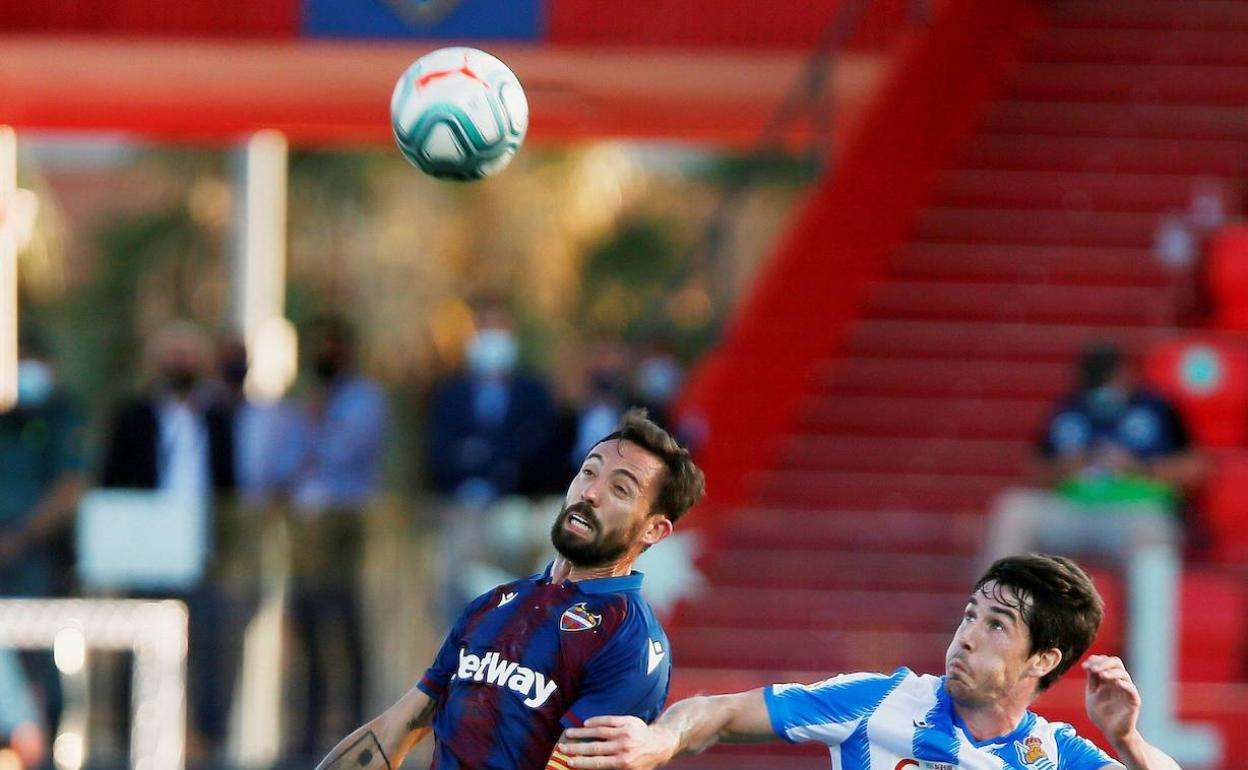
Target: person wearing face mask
(41,479)
(1115,464)
(488,423)
(176,439)
(342,435)
(1115,461)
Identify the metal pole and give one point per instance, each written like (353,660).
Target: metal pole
(258,291)
(8,269)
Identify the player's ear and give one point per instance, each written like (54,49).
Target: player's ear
(1045,661)
(657,529)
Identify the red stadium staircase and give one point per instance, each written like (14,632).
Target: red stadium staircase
(880,388)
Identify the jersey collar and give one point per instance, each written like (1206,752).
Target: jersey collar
(607,585)
(1021,731)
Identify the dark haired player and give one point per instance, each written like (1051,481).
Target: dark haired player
(1028,620)
(537,656)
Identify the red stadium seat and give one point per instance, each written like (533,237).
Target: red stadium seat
(1211,609)
(1228,277)
(1226,510)
(1207,378)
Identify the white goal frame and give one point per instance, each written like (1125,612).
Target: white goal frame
(154,631)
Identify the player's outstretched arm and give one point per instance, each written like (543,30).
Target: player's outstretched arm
(689,727)
(382,743)
(1113,704)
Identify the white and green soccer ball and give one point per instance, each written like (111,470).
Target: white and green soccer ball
(459,113)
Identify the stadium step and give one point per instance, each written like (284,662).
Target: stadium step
(953,377)
(830,650)
(761,609)
(1016,263)
(998,341)
(1081,228)
(933,301)
(881,454)
(828,570)
(781,488)
(1132,155)
(924,417)
(1212,16)
(843,530)
(1069,45)
(1145,121)
(1067,191)
(1145,84)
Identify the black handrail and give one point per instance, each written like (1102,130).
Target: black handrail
(812,93)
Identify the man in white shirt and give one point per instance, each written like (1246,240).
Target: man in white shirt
(1028,620)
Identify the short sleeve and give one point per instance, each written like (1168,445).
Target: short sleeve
(1075,752)
(446,662)
(629,676)
(827,711)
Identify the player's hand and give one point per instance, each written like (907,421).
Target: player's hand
(617,743)
(1112,700)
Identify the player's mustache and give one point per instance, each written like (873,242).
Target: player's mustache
(584,509)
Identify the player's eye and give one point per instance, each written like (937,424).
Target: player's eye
(587,472)
(620,490)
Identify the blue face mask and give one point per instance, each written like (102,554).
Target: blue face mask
(492,352)
(1107,401)
(658,379)
(35,383)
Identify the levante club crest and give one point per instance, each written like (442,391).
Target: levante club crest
(578,618)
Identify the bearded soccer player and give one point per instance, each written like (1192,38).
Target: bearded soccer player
(1028,620)
(537,656)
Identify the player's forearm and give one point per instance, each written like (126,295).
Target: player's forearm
(694,725)
(382,743)
(1138,754)
(361,750)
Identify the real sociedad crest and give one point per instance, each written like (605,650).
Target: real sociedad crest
(422,13)
(577,618)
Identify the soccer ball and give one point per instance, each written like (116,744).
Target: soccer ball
(459,113)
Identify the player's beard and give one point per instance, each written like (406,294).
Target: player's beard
(602,548)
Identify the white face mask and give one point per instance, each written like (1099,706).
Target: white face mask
(35,382)
(658,379)
(492,352)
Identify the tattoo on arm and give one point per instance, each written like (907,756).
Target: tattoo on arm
(364,754)
(423,717)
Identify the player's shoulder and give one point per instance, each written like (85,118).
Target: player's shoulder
(862,684)
(502,594)
(1062,741)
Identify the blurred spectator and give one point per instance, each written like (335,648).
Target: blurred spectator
(1116,461)
(344,415)
(177,439)
(606,398)
(268,440)
(488,424)
(489,429)
(41,479)
(657,379)
(19,726)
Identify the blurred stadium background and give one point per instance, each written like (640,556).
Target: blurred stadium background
(878,232)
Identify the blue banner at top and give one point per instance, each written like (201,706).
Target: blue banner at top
(433,19)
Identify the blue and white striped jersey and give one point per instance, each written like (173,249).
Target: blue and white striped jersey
(907,722)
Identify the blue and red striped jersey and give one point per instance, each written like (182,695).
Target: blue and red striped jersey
(532,657)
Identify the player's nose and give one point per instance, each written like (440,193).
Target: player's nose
(589,493)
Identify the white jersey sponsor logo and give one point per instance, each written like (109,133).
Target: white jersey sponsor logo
(492,668)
